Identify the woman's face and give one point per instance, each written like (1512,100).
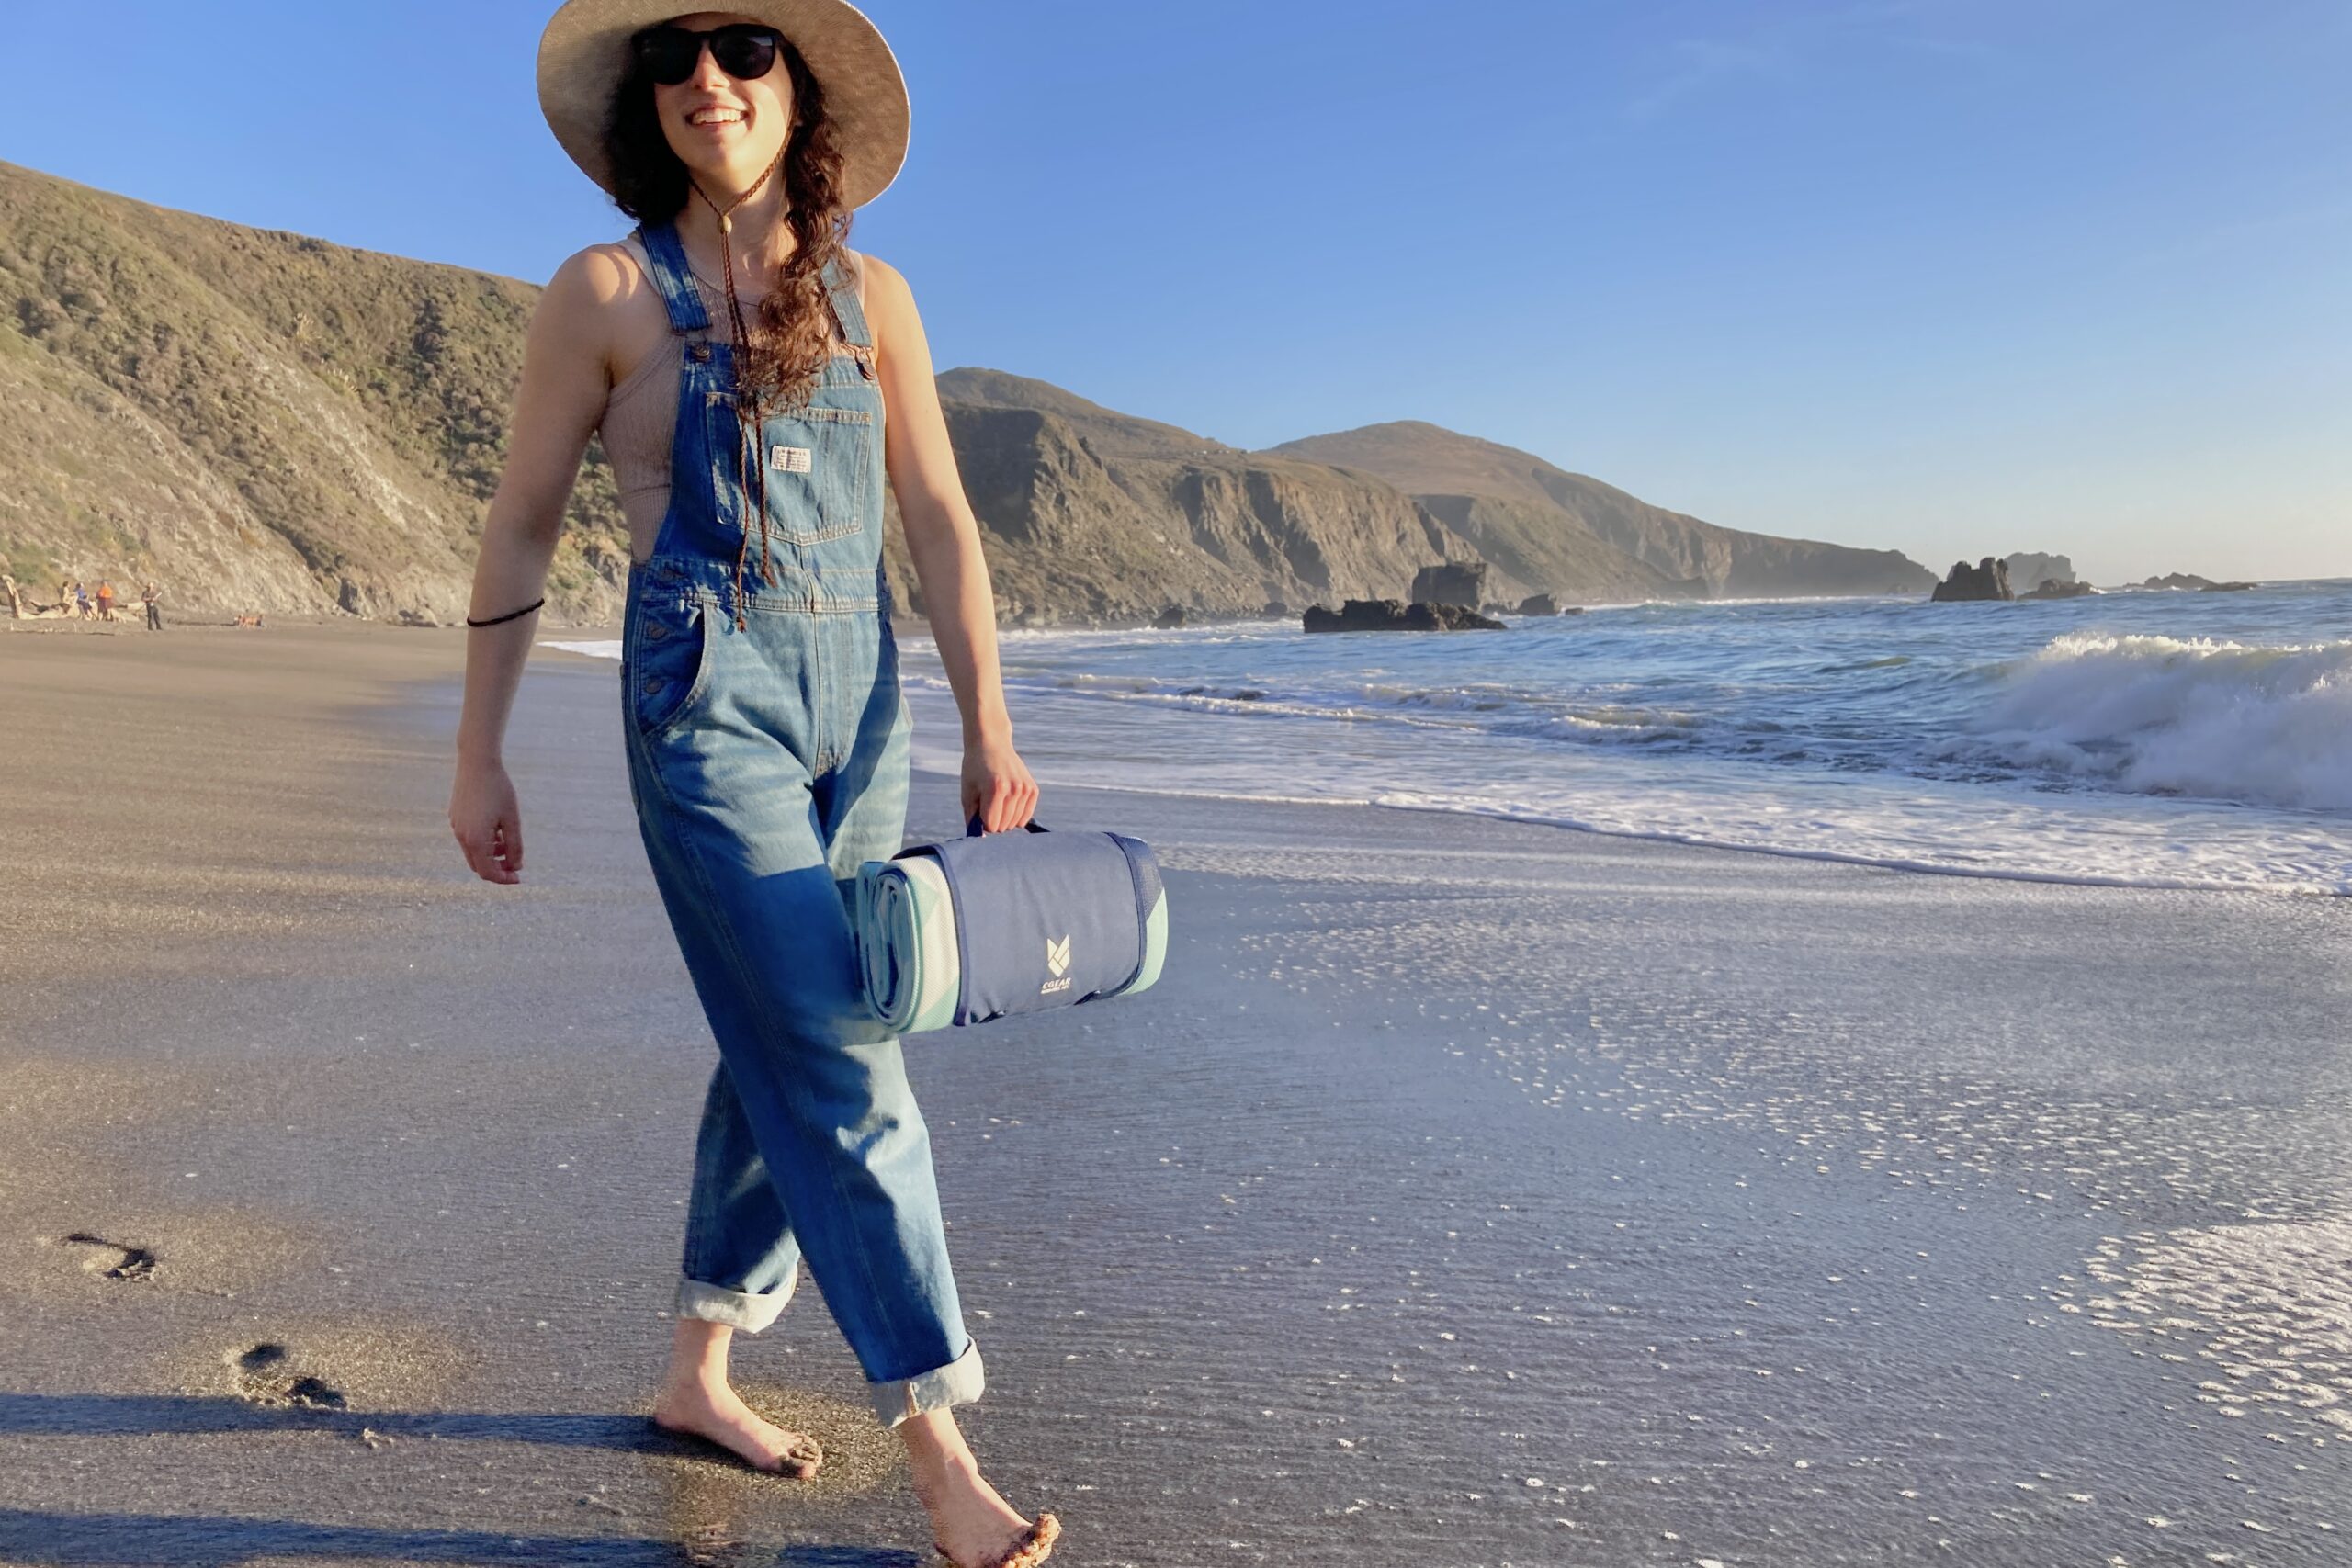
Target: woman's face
(728,130)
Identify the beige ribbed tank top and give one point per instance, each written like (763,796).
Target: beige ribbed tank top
(642,418)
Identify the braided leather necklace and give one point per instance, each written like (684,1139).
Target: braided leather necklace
(751,475)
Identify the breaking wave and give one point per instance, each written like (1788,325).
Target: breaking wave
(2160,716)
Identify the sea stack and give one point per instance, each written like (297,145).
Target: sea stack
(1989,579)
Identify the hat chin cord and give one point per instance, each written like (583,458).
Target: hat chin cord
(750,471)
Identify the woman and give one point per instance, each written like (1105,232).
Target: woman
(756,382)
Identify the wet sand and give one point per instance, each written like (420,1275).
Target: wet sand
(1466,1193)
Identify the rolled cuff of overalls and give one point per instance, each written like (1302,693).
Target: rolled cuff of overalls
(958,1382)
(736,1309)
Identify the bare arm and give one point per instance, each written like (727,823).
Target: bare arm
(556,407)
(944,537)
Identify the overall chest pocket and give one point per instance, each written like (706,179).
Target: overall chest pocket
(822,461)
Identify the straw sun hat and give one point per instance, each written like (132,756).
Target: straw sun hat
(584,53)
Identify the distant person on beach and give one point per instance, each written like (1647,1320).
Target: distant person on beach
(741,141)
(105,600)
(81,601)
(152,597)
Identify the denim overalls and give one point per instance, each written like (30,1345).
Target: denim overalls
(767,755)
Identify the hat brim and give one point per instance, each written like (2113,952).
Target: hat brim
(584,54)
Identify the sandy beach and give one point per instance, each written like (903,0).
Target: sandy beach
(1467,1192)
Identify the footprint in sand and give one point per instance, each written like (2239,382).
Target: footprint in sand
(113,1260)
(265,1376)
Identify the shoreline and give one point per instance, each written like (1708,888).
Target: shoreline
(129,615)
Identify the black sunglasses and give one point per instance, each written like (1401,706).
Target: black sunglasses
(745,51)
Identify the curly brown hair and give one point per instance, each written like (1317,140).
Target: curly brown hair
(791,334)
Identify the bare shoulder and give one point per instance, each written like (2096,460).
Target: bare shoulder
(889,303)
(602,278)
(877,278)
(603,301)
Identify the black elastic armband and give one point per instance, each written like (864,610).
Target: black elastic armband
(510,615)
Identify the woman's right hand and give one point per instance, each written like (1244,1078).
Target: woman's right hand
(488,821)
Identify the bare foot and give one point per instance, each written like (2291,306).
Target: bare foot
(718,1414)
(968,1521)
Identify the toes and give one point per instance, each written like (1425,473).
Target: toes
(751,1442)
(798,1458)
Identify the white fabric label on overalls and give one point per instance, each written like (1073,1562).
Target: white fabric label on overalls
(791,459)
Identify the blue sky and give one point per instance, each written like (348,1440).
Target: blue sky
(1955,276)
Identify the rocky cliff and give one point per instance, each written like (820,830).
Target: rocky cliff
(1512,502)
(1092,513)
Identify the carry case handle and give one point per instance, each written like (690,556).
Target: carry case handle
(972,827)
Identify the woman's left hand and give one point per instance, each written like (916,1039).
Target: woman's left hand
(996,787)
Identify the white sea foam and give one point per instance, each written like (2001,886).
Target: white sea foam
(1874,818)
(2159,716)
(599,650)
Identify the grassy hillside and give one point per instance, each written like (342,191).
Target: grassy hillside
(262,419)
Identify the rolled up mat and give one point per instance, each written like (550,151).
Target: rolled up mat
(969,929)
(905,942)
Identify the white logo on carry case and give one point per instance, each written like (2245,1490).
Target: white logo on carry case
(1056,960)
(791,459)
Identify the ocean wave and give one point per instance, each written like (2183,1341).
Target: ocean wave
(1144,692)
(2161,715)
(1490,708)
(1611,727)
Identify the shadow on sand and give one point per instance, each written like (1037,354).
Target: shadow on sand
(140,1416)
(132,1540)
(33,1537)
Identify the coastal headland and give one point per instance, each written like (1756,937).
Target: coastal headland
(267,423)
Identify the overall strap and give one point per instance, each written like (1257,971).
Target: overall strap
(850,316)
(673,277)
(846,308)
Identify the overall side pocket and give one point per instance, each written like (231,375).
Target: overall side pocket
(666,661)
